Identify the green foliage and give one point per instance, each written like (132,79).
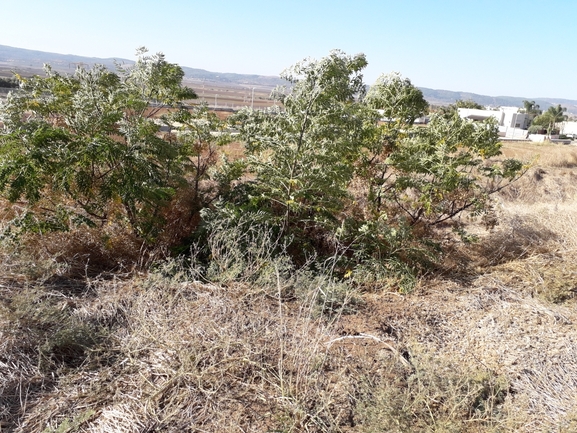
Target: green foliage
(468,103)
(415,178)
(87,146)
(328,296)
(340,184)
(556,112)
(532,110)
(243,246)
(301,156)
(11,83)
(398,99)
(321,176)
(153,79)
(531,107)
(444,169)
(551,117)
(384,252)
(431,174)
(390,273)
(198,133)
(246,247)
(535,128)
(451,110)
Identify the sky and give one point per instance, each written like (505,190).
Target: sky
(519,48)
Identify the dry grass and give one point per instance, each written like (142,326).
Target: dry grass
(185,356)
(545,154)
(486,345)
(232,96)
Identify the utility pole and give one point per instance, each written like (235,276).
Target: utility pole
(252,100)
(215,96)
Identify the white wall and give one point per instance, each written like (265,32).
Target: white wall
(568,127)
(539,138)
(514,133)
(513,119)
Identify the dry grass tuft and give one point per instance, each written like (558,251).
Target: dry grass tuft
(84,252)
(177,355)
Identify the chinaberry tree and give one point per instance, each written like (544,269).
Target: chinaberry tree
(415,177)
(332,165)
(397,99)
(331,168)
(88,147)
(451,110)
(300,155)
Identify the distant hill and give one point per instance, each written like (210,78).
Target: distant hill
(19,59)
(445,97)
(28,62)
(227,77)
(31,62)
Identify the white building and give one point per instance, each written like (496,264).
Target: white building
(477,114)
(568,128)
(512,123)
(512,118)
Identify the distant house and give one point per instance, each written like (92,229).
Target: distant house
(569,128)
(512,123)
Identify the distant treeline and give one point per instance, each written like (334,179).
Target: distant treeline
(8,82)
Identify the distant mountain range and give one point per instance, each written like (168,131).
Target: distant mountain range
(445,97)
(29,62)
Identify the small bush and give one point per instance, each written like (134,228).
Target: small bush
(243,247)
(437,396)
(390,274)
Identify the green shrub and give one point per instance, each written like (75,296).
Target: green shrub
(85,149)
(243,246)
(436,396)
(536,129)
(338,182)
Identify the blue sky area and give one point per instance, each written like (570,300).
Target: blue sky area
(493,47)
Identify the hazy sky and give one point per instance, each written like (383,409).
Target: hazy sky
(493,47)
